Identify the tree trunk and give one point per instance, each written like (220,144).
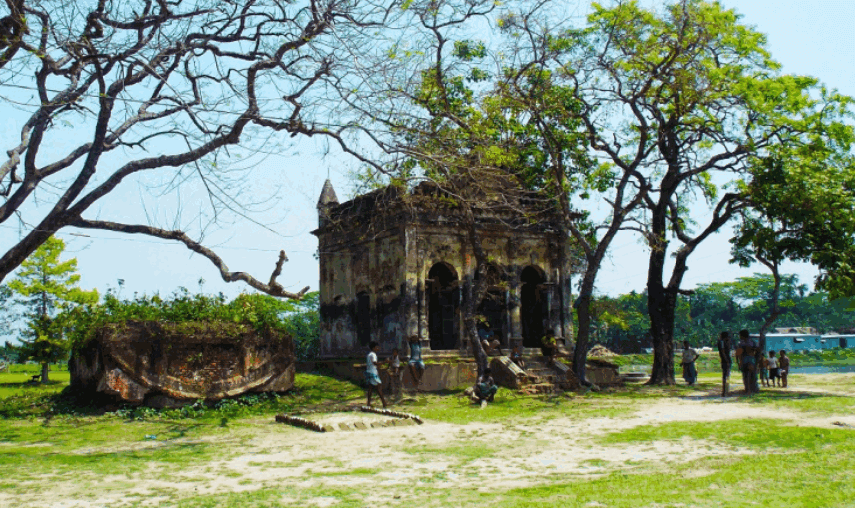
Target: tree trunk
(583,314)
(776,308)
(662,331)
(45,368)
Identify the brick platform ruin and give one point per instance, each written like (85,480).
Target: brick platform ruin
(350,420)
(170,365)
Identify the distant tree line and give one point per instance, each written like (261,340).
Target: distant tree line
(621,323)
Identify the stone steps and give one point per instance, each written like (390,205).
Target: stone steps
(542,377)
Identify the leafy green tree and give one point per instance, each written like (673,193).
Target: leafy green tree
(302,320)
(515,133)
(802,200)
(6,310)
(43,286)
(687,99)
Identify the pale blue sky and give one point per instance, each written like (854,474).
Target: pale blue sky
(814,38)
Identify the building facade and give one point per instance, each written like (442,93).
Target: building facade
(395,264)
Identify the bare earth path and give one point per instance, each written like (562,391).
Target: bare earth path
(388,461)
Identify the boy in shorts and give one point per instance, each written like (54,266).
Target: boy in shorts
(417,366)
(396,375)
(763,371)
(774,376)
(783,367)
(372,376)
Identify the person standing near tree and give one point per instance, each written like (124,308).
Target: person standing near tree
(724,348)
(774,375)
(690,373)
(746,352)
(763,369)
(784,368)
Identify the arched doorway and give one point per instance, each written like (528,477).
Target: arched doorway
(532,306)
(443,305)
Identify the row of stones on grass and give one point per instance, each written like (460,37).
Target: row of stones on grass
(317,427)
(389,412)
(364,409)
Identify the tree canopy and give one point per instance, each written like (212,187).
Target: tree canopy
(689,101)
(153,93)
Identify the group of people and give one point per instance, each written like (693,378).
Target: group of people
(485,386)
(396,370)
(750,359)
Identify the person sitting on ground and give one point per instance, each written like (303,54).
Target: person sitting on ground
(372,376)
(517,358)
(690,373)
(763,371)
(783,368)
(774,376)
(417,366)
(485,388)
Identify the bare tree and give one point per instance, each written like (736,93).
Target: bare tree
(161,87)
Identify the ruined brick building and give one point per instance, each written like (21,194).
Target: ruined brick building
(394,264)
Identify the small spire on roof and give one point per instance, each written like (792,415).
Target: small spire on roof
(328,196)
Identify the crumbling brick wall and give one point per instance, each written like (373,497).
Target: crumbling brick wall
(160,364)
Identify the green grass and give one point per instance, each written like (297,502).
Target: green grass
(709,362)
(453,407)
(269,498)
(829,357)
(43,438)
(771,481)
(760,434)
(791,398)
(35,368)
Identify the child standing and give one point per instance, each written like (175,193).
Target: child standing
(417,366)
(764,371)
(396,375)
(783,368)
(774,377)
(517,358)
(372,377)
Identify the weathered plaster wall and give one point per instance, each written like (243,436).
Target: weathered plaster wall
(376,257)
(364,281)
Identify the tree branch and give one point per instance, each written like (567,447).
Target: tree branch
(272,287)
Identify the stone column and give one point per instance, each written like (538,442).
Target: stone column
(507,319)
(462,339)
(514,316)
(412,287)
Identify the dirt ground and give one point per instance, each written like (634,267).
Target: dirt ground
(513,453)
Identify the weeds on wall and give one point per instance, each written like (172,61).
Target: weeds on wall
(300,319)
